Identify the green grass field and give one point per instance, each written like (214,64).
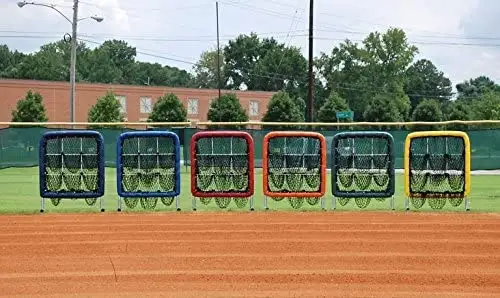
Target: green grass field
(20,194)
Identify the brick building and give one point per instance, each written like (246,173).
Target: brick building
(136,101)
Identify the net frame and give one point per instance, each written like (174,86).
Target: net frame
(407,165)
(44,193)
(336,167)
(265,164)
(119,164)
(194,164)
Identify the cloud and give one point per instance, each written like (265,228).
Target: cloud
(181,30)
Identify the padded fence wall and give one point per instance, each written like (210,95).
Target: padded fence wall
(19,146)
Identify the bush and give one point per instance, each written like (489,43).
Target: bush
(30,109)
(168,108)
(106,110)
(227,108)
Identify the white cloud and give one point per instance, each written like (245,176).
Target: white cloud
(183,29)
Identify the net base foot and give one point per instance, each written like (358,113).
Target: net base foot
(102,210)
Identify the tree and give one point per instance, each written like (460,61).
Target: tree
(428,110)
(359,72)
(227,108)
(424,80)
(382,109)
(473,88)
(168,108)
(457,110)
(264,64)
(281,108)
(106,110)
(205,70)
(334,104)
(30,109)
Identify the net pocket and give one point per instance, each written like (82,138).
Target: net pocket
(239,164)
(363,180)
(346,179)
(54,182)
(53,163)
(240,182)
(456,182)
(130,182)
(90,181)
(90,163)
(362,162)
(294,163)
(313,180)
(223,182)
(72,162)
(381,179)
(437,162)
(276,163)
(73,182)
(203,182)
(294,181)
(167,182)
(418,181)
(148,180)
(381,161)
(276,181)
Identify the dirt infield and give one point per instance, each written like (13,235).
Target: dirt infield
(251,255)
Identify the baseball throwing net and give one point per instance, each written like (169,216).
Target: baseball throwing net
(222,168)
(148,168)
(363,167)
(437,170)
(71,166)
(294,167)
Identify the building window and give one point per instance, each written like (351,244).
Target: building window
(123,103)
(254,108)
(192,106)
(146,105)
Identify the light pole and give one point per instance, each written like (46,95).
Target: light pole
(74,43)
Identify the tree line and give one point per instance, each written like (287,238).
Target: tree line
(379,79)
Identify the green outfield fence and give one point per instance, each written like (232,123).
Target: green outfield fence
(19,143)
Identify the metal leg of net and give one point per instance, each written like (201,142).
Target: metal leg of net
(392,203)
(334,203)
(323,203)
(407,204)
(42,205)
(467,204)
(252,204)
(193,201)
(119,204)
(266,206)
(177,203)
(101,204)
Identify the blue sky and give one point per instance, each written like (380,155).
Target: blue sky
(457,35)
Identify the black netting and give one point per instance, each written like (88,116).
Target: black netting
(294,165)
(437,168)
(363,165)
(222,166)
(71,164)
(148,165)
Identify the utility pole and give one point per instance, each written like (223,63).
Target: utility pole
(73,41)
(72,70)
(218,47)
(310,90)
